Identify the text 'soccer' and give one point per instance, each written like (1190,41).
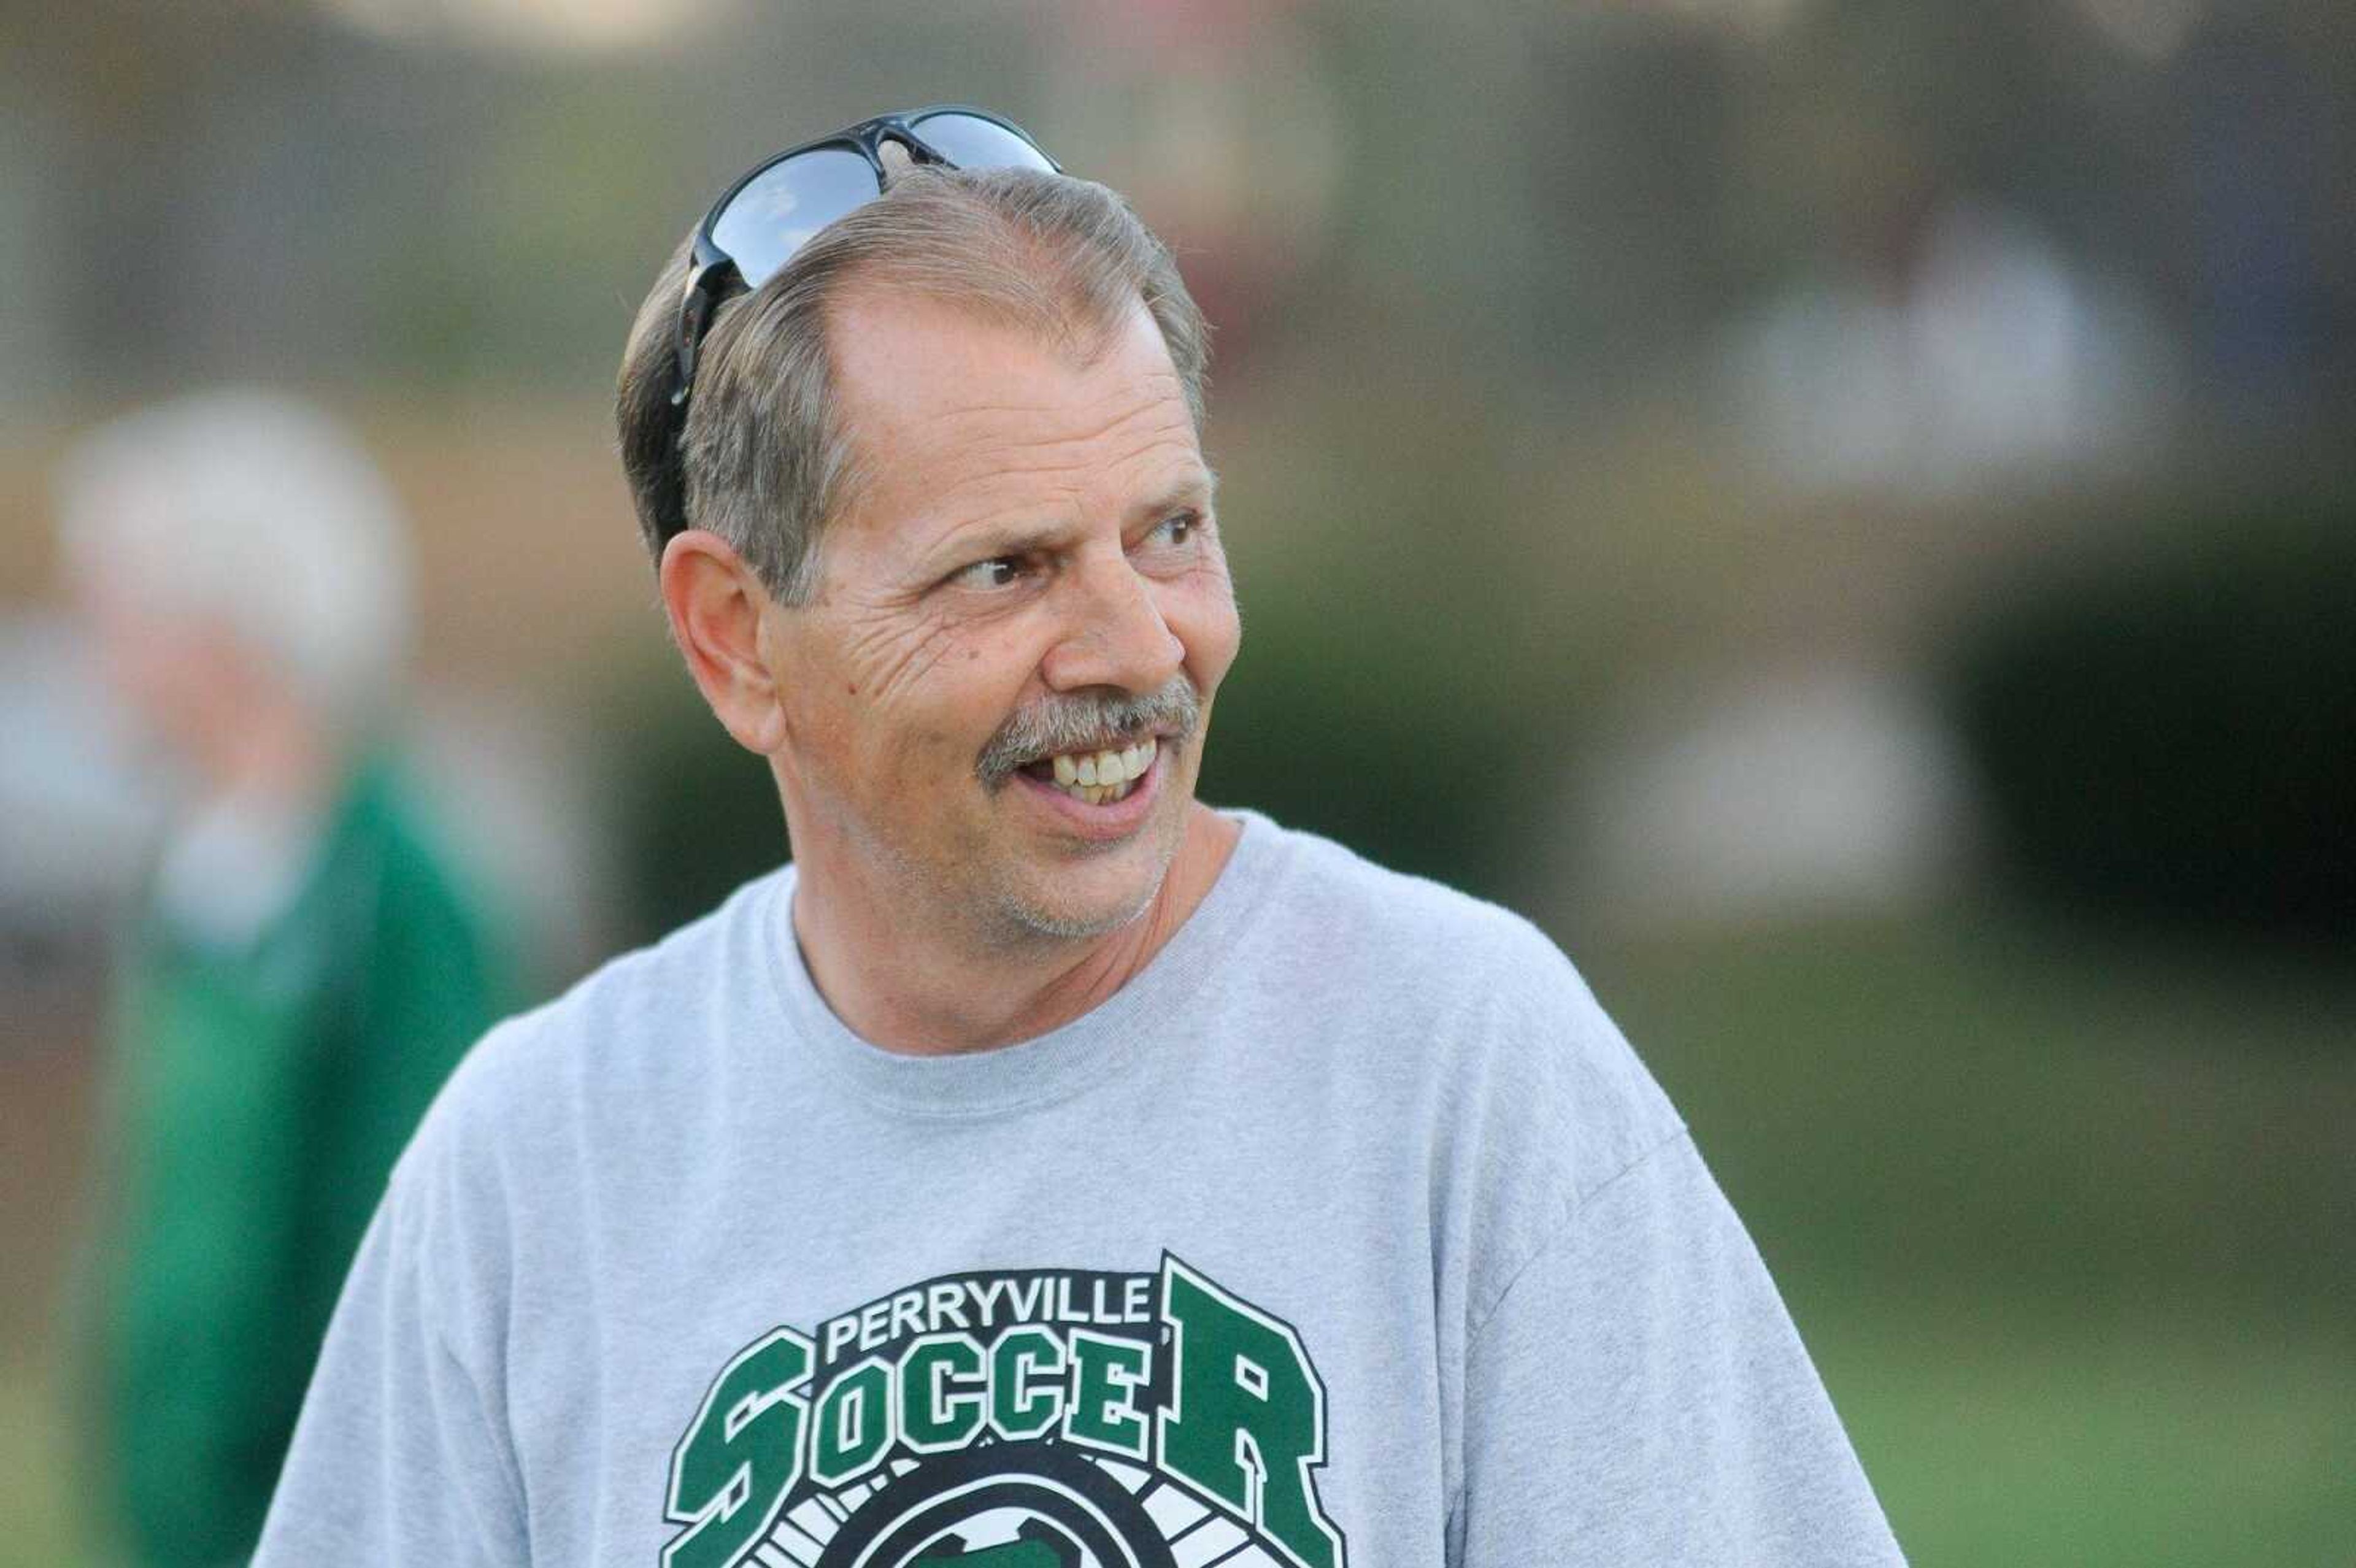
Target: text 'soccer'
(1029,1418)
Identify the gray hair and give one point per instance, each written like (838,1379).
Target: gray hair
(764,458)
(256,511)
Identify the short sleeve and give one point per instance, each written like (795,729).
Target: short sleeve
(1639,1396)
(401,1454)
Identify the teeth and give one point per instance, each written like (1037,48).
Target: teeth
(1099,777)
(1098,795)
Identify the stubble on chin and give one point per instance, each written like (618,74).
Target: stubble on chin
(1025,914)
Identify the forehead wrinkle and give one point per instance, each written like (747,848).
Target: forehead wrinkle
(1009,422)
(873,325)
(1057,459)
(889,341)
(983,511)
(969,453)
(978,498)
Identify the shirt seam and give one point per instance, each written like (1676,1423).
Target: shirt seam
(1563,1228)
(407,1186)
(497,1436)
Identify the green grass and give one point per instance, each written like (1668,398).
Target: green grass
(2011,1439)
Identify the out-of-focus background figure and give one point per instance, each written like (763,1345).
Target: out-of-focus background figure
(307,968)
(1843,511)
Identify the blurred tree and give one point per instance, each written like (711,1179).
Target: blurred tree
(2168,733)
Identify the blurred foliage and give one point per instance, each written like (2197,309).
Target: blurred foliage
(1326,729)
(1393,692)
(2165,727)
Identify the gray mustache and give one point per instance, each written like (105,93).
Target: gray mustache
(1087,723)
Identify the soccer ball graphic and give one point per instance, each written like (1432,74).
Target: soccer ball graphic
(1002,1505)
(1008,1539)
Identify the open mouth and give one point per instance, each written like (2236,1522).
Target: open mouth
(1097,777)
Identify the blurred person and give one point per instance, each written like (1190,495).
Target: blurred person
(1044,1169)
(304,973)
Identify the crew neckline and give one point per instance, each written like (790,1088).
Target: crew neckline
(1047,1067)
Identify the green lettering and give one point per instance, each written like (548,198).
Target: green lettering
(740,1455)
(854,1422)
(1248,1421)
(931,1417)
(1018,1407)
(1103,1413)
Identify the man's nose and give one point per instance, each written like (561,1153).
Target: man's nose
(1114,633)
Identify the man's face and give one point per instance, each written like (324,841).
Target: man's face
(1030,568)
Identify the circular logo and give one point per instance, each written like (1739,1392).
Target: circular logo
(1004,1505)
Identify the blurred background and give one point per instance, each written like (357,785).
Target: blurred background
(1843,512)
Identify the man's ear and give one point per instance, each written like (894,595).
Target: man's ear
(715,603)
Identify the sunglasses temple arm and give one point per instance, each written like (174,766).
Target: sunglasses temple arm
(694,312)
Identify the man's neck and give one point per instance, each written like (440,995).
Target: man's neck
(939,994)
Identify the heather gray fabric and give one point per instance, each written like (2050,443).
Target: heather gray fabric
(1350,1231)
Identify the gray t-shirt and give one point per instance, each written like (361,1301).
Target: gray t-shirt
(1349,1232)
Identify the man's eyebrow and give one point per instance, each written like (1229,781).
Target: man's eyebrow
(1199,488)
(987,541)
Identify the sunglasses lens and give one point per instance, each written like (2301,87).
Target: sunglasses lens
(972,142)
(777,214)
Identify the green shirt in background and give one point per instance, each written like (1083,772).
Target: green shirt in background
(266,1090)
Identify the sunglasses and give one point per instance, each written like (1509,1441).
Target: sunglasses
(768,214)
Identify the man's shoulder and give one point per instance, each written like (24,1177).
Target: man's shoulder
(1442,988)
(1338,904)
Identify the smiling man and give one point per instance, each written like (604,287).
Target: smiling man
(1044,1169)
(988,707)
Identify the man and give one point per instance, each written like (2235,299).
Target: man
(305,975)
(1045,1168)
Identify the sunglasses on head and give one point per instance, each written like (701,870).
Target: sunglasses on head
(771,213)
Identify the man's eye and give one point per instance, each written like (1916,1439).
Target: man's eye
(999,571)
(1177,531)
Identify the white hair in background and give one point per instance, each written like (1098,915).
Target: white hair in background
(257,510)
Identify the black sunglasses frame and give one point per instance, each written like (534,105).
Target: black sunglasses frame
(713,274)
